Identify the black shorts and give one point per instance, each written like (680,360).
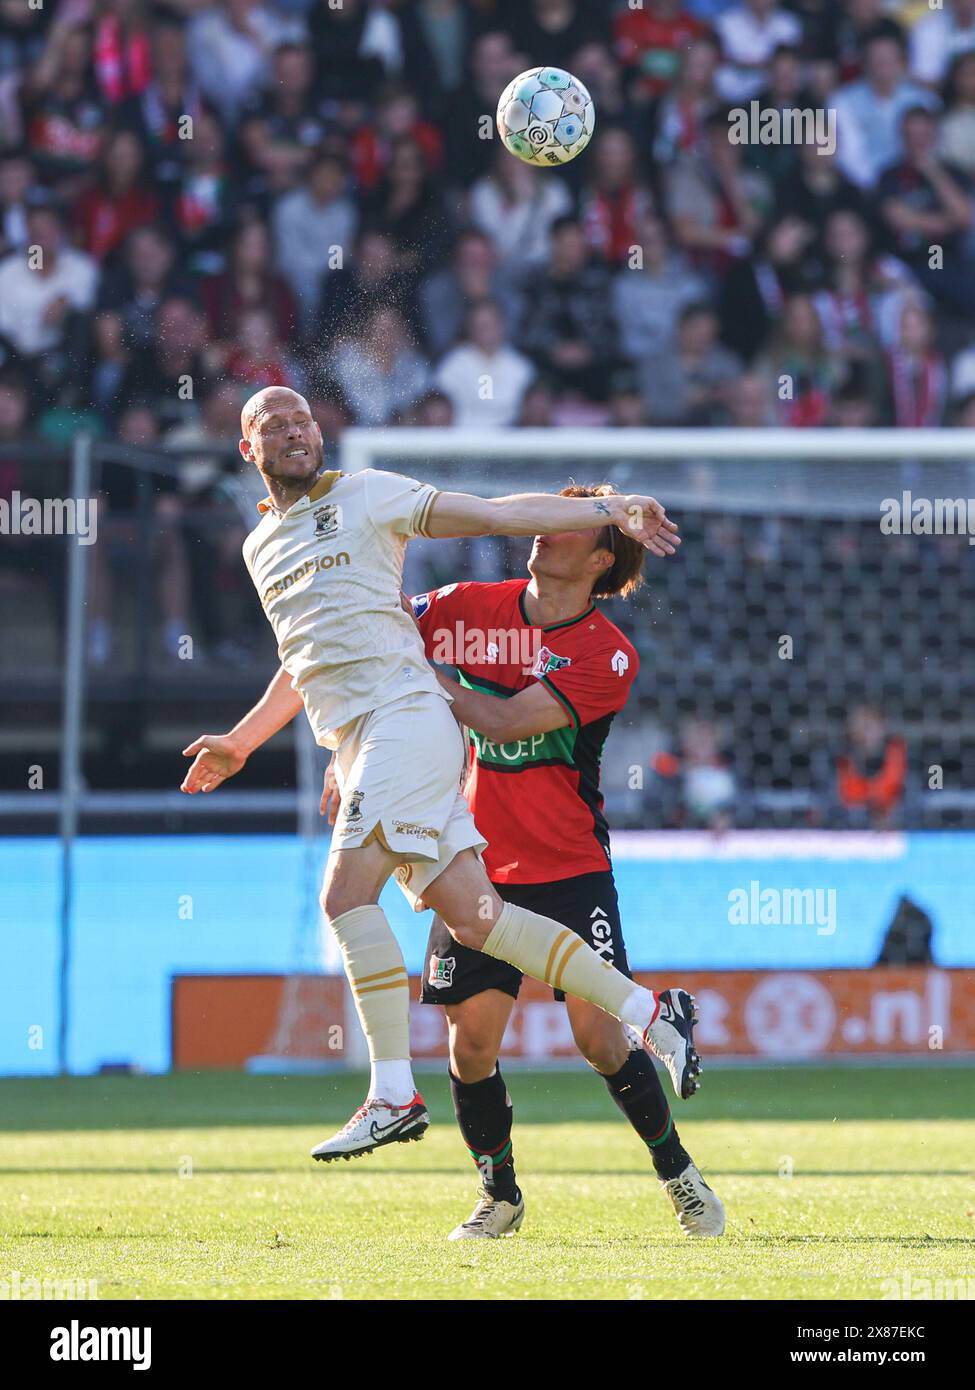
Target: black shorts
(587,905)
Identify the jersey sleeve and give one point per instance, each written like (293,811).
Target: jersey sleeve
(397,503)
(595,685)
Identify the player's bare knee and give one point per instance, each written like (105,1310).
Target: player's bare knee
(471,1059)
(469,930)
(604,1046)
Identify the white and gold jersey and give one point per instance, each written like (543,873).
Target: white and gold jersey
(328,573)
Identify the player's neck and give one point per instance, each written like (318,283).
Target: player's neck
(283,497)
(550,601)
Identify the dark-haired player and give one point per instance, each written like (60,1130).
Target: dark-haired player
(542,674)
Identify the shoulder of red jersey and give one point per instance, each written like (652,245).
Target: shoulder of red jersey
(613,644)
(464,596)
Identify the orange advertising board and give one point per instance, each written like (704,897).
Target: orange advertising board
(228,1021)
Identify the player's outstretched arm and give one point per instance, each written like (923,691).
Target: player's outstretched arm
(542,513)
(216,757)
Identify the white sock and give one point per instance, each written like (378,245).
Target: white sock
(392,1081)
(639,1008)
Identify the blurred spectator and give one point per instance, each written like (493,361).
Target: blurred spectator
(707,784)
(43,289)
(397,115)
(750,33)
(371,279)
(869,111)
(179,369)
(378,369)
(248,282)
(433,411)
(124,493)
(650,40)
(716,203)
(281,128)
(871,774)
(472,275)
(917,376)
(538,406)
(356,45)
(64,116)
(615,197)
(550,31)
(16,180)
(567,326)
(408,205)
(858,291)
(687,383)
(146,276)
(231,47)
(314,228)
(627,408)
(649,296)
(120,201)
(800,366)
(818,187)
(754,290)
(750,405)
(926,204)
(484,377)
(956,140)
(681,113)
(517,210)
(938,38)
(437,36)
(204,197)
(258,358)
(160,110)
(493,63)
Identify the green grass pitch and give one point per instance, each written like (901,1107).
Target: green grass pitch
(200,1186)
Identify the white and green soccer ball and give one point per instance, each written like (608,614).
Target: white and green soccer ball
(546,116)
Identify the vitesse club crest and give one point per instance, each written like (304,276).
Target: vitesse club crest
(326,519)
(547,661)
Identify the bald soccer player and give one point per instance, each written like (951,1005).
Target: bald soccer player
(326,559)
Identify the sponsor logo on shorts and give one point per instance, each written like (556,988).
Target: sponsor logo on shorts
(352,809)
(441,974)
(547,661)
(602,934)
(422,832)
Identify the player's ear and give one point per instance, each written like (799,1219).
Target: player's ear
(244,445)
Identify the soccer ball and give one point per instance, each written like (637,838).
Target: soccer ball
(546,116)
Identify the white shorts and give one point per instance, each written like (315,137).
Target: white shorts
(399,769)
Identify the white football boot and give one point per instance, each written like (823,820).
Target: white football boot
(670,1038)
(699,1210)
(491,1219)
(375,1123)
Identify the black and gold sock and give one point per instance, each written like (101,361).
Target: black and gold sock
(483,1110)
(637,1091)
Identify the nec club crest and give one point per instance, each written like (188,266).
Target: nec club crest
(546,662)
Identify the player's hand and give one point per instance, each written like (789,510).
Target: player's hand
(331,796)
(645,520)
(215,758)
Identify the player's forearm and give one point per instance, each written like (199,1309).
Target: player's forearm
(277,706)
(485,713)
(526,514)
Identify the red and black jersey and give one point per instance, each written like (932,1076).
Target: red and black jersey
(550,824)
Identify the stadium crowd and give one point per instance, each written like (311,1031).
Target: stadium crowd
(199,199)
(312,192)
